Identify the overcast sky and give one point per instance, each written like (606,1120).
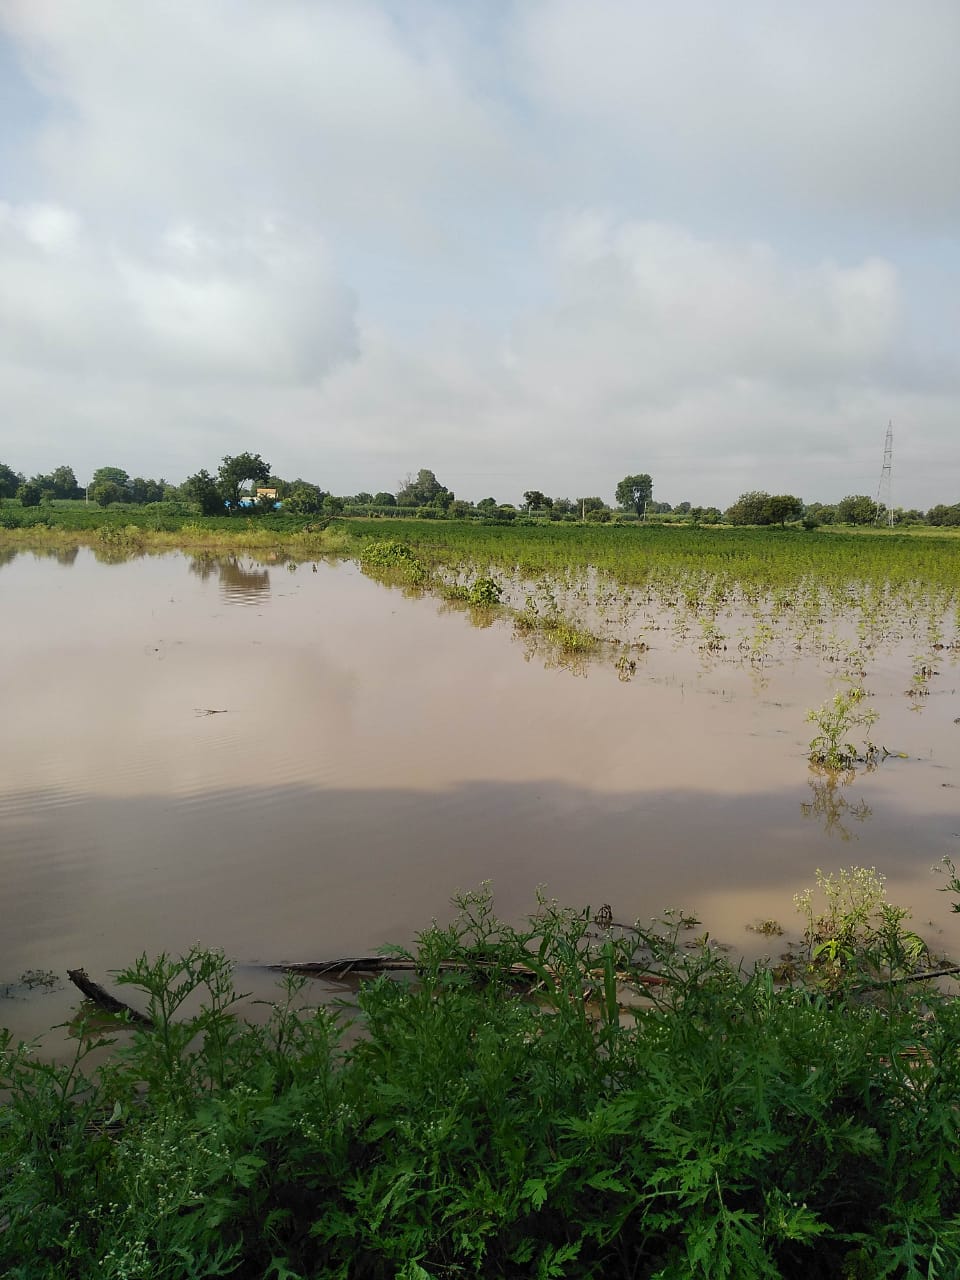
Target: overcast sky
(531,244)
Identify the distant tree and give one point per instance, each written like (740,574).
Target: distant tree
(332,506)
(364,499)
(423,491)
(682,507)
(107,492)
(304,499)
(109,484)
(459,510)
(634,492)
(534,500)
(943,516)
(142,491)
(10,482)
(30,493)
(821,512)
(585,505)
(749,508)
(487,504)
(384,499)
(562,506)
(236,471)
(203,489)
(782,507)
(856,509)
(64,483)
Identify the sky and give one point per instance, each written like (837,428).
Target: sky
(524,243)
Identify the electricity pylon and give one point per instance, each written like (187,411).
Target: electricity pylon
(885,487)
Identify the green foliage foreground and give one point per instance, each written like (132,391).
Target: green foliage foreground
(721,1127)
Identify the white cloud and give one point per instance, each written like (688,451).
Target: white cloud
(331,108)
(823,106)
(527,244)
(262,305)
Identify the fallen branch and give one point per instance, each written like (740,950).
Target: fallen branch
(102,998)
(952,971)
(363,965)
(395,964)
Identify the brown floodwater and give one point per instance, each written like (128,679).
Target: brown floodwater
(296,762)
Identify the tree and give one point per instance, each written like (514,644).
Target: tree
(856,509)
(202,489)
(238,470)
(534,500)
(782,507)
(304,499)
(424,491)
(10,482)
(384,499)
(585,505)
(487,504)
(30,493)
(142,491)
(108,491)
(749,508)
(634,492)
(64,483)
(942,515)
(109,484)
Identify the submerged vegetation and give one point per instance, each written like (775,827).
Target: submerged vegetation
(756,597)
(639,1108)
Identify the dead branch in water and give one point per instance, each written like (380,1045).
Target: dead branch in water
(364,965)
(102,998)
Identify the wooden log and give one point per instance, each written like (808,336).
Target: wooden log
(102,998)
(363,965)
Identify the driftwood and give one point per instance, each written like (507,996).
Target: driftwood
(102,998)
(363,965)
(394,964)
(952,971)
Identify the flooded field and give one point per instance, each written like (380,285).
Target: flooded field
(296,761)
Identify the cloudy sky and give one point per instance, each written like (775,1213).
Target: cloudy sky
(525,243)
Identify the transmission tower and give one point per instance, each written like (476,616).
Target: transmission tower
(885,487)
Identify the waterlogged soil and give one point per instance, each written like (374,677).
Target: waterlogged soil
(297,762)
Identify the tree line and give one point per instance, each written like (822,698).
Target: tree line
(246,482)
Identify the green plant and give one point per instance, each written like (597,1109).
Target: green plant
(852,932)
(485,593)
(836,719)
(541,1101)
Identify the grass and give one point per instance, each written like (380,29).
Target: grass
(717,1125)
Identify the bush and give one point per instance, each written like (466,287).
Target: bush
(719,1127)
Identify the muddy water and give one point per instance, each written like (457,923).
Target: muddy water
(296,763)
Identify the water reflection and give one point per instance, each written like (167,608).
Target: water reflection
(830,806)
(62,554)
(243,582)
